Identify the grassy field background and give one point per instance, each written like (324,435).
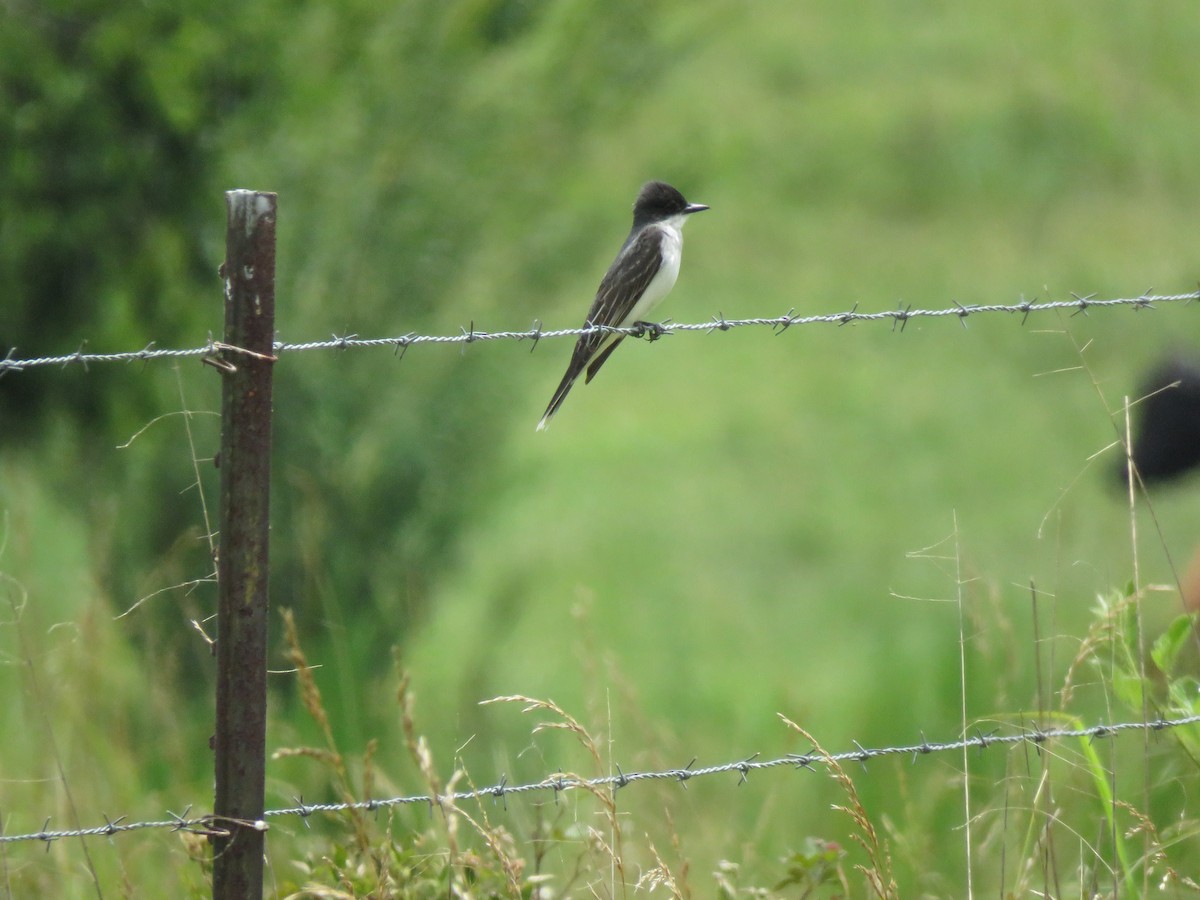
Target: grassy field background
(720,529)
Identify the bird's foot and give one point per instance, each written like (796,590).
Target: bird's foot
(651,331)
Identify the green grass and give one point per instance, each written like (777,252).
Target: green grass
(721,528)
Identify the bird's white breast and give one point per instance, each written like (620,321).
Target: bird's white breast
(660,285)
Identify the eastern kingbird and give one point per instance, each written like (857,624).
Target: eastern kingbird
(642,274)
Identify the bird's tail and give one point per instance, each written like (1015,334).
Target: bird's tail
(564,388)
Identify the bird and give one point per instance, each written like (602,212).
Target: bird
(643,273)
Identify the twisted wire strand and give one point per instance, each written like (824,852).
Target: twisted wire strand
(560,782)
(900,316)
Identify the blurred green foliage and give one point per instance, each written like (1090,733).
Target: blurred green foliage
(719,528)
(109,125)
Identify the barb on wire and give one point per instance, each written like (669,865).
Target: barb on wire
(470,335)
(561,782)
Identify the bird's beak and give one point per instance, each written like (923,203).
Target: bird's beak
(695,208)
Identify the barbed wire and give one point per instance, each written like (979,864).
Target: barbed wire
(561,782)
(900,316)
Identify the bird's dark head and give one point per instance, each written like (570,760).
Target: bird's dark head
(658,201)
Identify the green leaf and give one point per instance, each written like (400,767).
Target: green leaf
(1128,688)
(1170,643)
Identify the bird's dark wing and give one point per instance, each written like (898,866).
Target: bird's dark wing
(621,288)
(627,279)
(604,354)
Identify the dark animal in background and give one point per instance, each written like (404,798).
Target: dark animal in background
(1166,436)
